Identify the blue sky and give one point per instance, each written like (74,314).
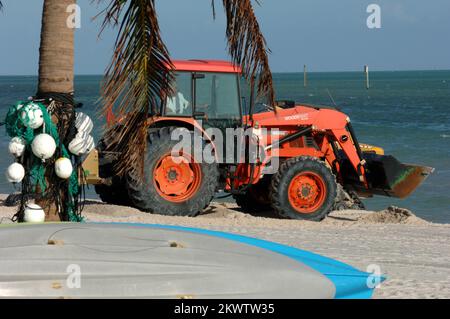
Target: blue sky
(327,35)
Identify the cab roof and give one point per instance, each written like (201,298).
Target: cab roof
(206,66)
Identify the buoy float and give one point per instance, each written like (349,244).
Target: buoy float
(17,146)
(15,173)
(83,123)
(81,144)
(33,214)
(43,146)
(63,168)
(32,116)
(90,144)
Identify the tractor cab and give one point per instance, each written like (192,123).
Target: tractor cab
(208,91)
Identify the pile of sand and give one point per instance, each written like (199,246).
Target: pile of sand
(392,215)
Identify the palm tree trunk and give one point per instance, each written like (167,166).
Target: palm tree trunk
(56,72)
(56,53)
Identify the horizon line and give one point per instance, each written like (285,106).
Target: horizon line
(273,72)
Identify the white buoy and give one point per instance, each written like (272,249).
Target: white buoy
(63,168)
(83,123)
(33,214)
(43,146)
(32,116)
(90,144)
(81,144)
(15,173)
(17,146)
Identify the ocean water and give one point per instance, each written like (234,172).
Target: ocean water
(406,113)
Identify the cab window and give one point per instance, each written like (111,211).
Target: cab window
(180,103)
(217,96)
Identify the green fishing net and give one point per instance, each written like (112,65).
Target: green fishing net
(17,124)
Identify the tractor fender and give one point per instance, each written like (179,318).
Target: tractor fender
(189,123)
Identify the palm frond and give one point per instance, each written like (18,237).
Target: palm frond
(247,46)
(137,76)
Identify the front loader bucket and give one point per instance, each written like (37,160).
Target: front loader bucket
(388,177)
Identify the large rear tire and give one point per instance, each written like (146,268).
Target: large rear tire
(115,193)
(172,187)
(303,188)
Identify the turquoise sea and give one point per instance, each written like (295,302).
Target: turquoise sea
(406,113)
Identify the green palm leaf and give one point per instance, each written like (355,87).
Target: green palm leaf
(247,45)
(136,78)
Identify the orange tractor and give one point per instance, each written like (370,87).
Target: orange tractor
(320,166)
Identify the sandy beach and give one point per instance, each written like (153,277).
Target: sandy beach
(413,253)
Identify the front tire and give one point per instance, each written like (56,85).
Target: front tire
(171,187)
(303,188)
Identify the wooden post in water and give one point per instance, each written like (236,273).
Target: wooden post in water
(366,71)
(304,76)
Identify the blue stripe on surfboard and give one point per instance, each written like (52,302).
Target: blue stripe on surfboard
(349,281)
